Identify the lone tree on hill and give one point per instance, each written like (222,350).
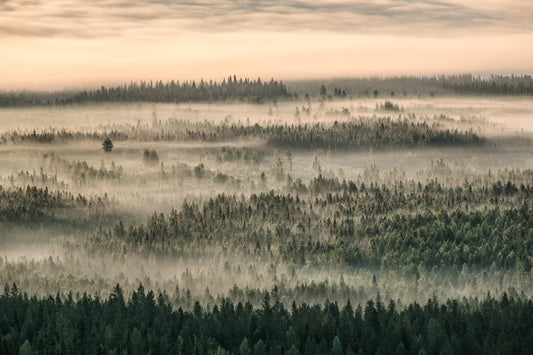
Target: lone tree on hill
(107,145)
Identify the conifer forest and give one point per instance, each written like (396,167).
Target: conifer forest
(260,216)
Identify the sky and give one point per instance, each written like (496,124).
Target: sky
(62,44)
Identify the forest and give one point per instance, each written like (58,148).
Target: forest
(409,86)
(233,89)
(247,217)
(230,89)
(146,323)
(363,132)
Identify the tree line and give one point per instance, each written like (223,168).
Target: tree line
(230,89)
(257,91)
(362,132)
(407,86)
(146,323)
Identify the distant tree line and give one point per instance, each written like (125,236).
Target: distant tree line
(362,132)
(230,89)
(442,85)
(257,91)
(492,85)
(145,323)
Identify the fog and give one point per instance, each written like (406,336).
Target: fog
(52,253)
(207,280)
(494,114)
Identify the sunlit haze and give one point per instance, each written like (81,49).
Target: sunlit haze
(72,43)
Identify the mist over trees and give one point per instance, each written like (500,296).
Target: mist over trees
(257,91)
(353,134)
(335,224)
(107,145)
(349,225)
(409,86)
(230,89)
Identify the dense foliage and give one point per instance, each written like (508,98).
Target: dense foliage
(145,323)
(443,85)
(35,205)
(232,89)
(364,132)
(361,133)
(257,91)
(403,226)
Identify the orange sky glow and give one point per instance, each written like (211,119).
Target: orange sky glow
(72,44)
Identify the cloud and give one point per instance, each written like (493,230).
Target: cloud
(68,43)
(119,18)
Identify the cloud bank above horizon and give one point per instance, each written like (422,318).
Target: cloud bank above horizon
(72,43)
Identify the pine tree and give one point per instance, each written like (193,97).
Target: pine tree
(107,145)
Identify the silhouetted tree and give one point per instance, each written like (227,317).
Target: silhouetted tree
(107,145)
